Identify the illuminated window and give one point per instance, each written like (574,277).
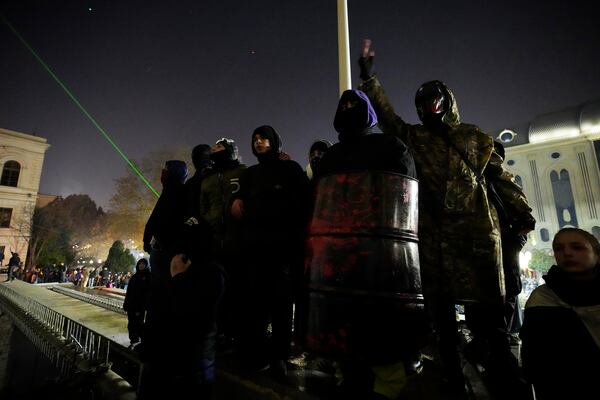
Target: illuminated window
(10,173)
(563,198)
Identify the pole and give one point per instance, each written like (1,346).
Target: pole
(343,46)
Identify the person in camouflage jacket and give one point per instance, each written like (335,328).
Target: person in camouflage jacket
(459,233)
(216,194)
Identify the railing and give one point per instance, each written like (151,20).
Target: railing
(69,345)
(112,304)
(77,339)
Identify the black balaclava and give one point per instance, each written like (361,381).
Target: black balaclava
(174,173)
(353,122)
(321,145)
(226,157)
(201,157)
(267,132)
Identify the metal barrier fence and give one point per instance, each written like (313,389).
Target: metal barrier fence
(65,342)
(112,304)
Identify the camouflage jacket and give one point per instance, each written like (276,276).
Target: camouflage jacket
(215,207)
(459,235)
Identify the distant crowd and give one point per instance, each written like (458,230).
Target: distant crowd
(79,276)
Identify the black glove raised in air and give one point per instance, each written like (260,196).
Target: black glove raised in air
(365,62)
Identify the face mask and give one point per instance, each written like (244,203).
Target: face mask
(431,102)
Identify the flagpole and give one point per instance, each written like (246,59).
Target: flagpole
(345,79)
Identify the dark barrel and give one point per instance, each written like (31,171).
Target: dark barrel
(364,297)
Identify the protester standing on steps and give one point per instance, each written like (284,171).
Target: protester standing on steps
(459,233)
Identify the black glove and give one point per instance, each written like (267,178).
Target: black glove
(366,67)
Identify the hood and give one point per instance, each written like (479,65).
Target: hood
(357,120)
(174,173)
(320,144)
(147,269)
(201,157)
(452,117)
(268,132)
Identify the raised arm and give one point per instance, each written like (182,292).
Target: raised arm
(389,122)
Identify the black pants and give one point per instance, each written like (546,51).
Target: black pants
(268,298)
(488,323)
(135,325)
(230,314)
(443,316)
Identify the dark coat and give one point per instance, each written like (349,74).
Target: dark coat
(370,152)
(195,298)
(215,205)
(167,217)
(14,261)
(192,194)
(138,291)
(276,196)
(276,203)
(560,355)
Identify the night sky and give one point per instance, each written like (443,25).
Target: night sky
(158,73)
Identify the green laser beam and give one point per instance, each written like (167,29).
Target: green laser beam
(78,104)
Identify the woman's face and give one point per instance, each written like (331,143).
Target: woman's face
(574,253)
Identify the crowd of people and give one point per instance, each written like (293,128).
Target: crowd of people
(227,250)
(227,258)
(78,276)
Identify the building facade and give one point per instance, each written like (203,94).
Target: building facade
(556,160)
(21,162)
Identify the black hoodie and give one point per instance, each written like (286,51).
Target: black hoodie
(138,291)
(358,148)
(276,197)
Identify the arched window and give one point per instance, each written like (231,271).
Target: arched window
(10,173)
(563,198)
(544,234)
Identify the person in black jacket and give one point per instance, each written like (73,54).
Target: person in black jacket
(315,154)
(181,364)
(162,230)
(202,164)
(136,300)
(161,239)
(215,208)
(272,203)
(358,149)
(561,328)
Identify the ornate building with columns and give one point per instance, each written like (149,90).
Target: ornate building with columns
(21,162)
(556,159)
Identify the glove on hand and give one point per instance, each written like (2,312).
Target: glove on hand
(365,62)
